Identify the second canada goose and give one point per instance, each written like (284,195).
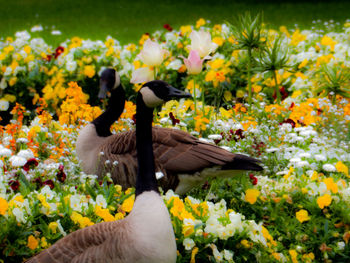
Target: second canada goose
(182,160)
(146,234)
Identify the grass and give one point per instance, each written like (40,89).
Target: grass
(127,20)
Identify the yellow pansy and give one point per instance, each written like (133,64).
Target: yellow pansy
(293,254)
(331,185)
(53,227)
(89,71)
(251,195)
(302,215)
(128,203)
(200,22)
(342,168)
(3,206)
(32,242)
(324,200)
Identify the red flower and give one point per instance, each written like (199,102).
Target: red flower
(173,119)
(31,163)
(59,50)
(61,175)
(14,184)
(38,182)
(253,179)
(284,93)
(168,27)
(48,58)
(50,183)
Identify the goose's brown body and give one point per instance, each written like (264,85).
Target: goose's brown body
(177,155)
(138,238)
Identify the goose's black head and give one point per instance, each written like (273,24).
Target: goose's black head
(109,81)
(157,92)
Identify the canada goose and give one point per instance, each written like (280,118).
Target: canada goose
(146,234)
(182,160)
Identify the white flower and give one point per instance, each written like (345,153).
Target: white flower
(27,154)
(56,32)
(188,243)
(71,65)
(17,161)
(175,64)
(4,105)
(46,191)
(3,83)
(320,157)
(217,255)
(215,137)
(36,28)
(271,150)
(329,167)
(60,228)
(140,75)
(201,42)
(75,203)
(5,152)
(341,245)
(228,255)
(152,54)
(19,215)
(101,201)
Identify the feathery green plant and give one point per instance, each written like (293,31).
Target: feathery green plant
(273,58)
(249,36)
(333,80)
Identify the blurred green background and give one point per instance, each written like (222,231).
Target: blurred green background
(127,20)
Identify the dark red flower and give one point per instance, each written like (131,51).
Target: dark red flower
(168,27)
(61,176)
(49,57)
(290,121)
(283,92)
(50,183)
(319,111)
(38,182)
(173,119)
(238,134)
(291,106)
(14,184)
(31,163)
(253,179)
(59,50)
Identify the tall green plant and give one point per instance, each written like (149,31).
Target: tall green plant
(249,36)
(273,58)
(333,80)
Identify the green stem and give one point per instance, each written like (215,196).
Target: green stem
(249,78)
(203,100)
(194,95)
(278,94)
(155,72)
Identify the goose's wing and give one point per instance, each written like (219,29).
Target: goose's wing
(98,243)
(181,152)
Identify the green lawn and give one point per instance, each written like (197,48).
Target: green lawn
(126,20)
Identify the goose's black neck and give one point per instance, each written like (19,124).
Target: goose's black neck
(146,179)
(115,108)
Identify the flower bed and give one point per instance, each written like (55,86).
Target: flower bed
(297,123)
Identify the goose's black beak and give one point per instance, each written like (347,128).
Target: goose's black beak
(174,93)
(102,94)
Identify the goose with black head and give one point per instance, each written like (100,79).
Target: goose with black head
(182,160)
(146,234)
